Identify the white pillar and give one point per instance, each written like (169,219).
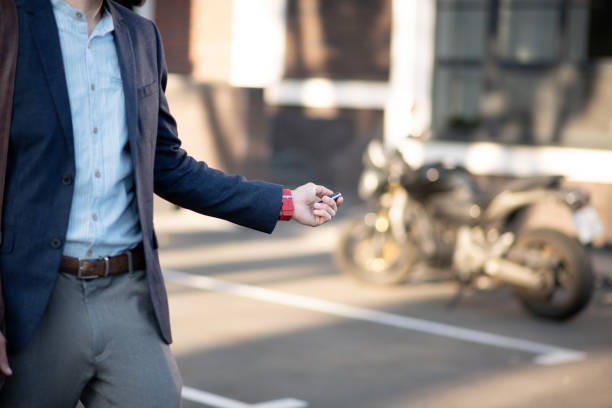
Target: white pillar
(409,110)
(258,42)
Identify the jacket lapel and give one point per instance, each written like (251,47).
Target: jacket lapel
(46,37)
(127,63)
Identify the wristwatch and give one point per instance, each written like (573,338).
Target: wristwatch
(287,208)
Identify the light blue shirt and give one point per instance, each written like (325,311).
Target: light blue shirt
(104,215)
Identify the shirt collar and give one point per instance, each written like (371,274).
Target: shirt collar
(104,26)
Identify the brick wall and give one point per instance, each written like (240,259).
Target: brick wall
(340,39)
(173,19)
(321,145)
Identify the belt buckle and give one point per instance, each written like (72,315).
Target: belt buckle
(82,266)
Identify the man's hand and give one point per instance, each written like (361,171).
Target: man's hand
(4,365)
(313,206)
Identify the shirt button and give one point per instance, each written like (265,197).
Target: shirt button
(89,253)
(94,217)
(79,14)
(93,87)
(67,180)
(98,175)
(56,243)
(95,130)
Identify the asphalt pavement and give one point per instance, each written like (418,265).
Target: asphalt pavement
(268,321)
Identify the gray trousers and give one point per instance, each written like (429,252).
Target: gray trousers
(98,342)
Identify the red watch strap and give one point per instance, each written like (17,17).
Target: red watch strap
(287,208)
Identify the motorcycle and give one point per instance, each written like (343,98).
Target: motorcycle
(437,216)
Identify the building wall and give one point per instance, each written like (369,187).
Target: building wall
(345,72)
(206,42)
(321,144)
(340,39)
(210,39)
(225,126)
(173,18)
(317,132)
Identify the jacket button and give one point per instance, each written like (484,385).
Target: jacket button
(67,180)
(56,243)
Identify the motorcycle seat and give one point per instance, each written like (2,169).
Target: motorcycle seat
(530,183)
(522,184)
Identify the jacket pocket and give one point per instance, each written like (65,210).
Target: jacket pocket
(147,90)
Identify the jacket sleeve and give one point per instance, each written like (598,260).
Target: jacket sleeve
(191,184)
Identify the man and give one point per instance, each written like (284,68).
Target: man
(92,139)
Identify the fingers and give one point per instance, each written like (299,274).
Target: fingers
(4,365)
(327,200)
(321,217)
(324,210)
(313,206)
(322,191)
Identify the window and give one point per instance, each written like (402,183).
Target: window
(528,31)
(461,29)
(460,50)
(524,71)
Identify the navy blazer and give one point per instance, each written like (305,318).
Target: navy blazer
(41,165)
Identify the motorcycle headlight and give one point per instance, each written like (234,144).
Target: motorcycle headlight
(369,183)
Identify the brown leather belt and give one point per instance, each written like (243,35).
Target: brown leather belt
(132,260)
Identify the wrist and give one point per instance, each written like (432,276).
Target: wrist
(287,207)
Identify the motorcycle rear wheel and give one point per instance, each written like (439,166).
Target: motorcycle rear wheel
(374,257)
(568,271)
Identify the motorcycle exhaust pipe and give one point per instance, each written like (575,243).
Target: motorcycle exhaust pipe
(513,273)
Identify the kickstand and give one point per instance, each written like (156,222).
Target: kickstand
(458,296)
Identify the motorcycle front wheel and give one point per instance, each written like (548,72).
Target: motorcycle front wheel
(372,256)
(565,267)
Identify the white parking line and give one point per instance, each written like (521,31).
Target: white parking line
(282,403)
(546,354)
(217,401)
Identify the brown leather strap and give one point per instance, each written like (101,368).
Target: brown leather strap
(133,260)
